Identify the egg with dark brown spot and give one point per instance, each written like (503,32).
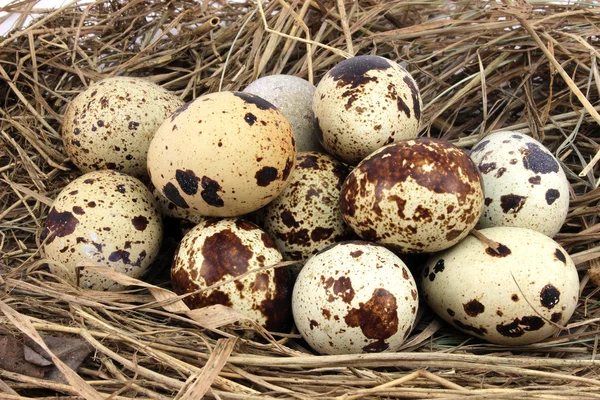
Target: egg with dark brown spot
(221,250)
(414,196)
(103,218)
(532,192)
(355,297)
(111,123)
(305,218)
(364,103)
(513,295)
(223,154)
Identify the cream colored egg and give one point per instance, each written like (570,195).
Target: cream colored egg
(515,295)
(223,249)
(355,297)
(223,154)
(364,103)
(293,96)
(523,182)
(306,217)
(111,123)
(416,196)
(103,218)
(169,209)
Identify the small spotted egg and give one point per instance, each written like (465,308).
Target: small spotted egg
(355,297)
(415,196)
(293,96)
(223,249)
(111,123)
(515,294)
(364,103)
(306,217)
(103,218)
(523,182)
(223,154)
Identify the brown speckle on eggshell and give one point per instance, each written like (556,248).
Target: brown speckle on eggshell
(103,218)
(222,249)
(111,123)
(421,195)
(216,163)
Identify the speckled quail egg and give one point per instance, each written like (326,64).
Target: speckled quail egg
(306,217)
(111,123)
(523,182)
(223,249)
(223,154)
(355,297)
(515,294)
(103,218)
(415,196)
(364,103)
(293,96)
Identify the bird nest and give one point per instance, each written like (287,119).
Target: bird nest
(481,67)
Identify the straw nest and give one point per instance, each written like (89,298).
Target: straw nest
(481,67)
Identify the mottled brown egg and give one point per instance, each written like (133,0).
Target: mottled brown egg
(111,123)
(355,297)
(223,249)
(364,103)
(518,293)
(103,218)
(306,217)
(223,154)
(415,196)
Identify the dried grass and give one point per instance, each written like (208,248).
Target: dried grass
(482,67)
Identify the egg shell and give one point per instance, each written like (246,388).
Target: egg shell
(523,182)
(293,96)
(171,210)
(103,218)
(223,154)
(111,123)
(306,217)
(223,249)
(364,103)
(415,196)
(355,297)
(511,296)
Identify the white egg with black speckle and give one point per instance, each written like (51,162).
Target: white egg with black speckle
(523,182)
(518,293)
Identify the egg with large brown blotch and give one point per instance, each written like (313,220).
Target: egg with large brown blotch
(518,292)
(355,297)
(223,154)
(414,196)
(306,217)
(103,218)
(364,103)
(223,249)
(524,184)
(111,123)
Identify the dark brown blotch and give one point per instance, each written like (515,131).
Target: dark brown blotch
(535,180)
(481,331)
(551,196)
(342,287)
(560,256)
(414,93)
(288,220)
(250,118)
(224,256)
(352,72)
(265,176)
(187,180)
(500,251)
(519,326)
(140,222)
(308,161)
(486,168)
(59,224)
(277,306)
(549,296)
(171,192)
(258,101)
(78,210)
(512,203)
(473,308)
(210,192)
(538,160)
(319,234)
(377,318)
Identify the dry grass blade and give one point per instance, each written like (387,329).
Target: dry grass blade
(481,67)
